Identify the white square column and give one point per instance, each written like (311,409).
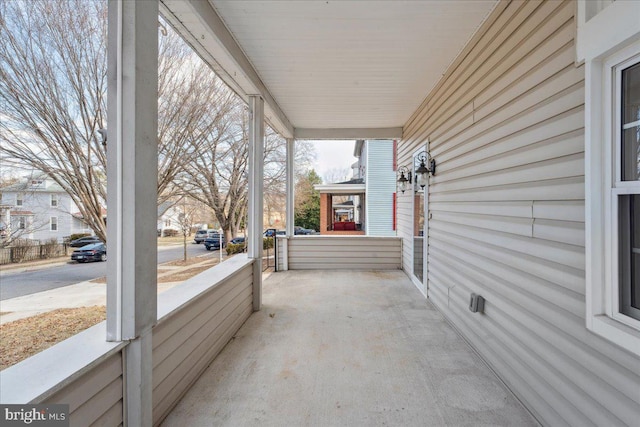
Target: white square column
(256,198)
(132,174)
(291,185)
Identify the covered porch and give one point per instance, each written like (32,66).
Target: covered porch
(347,348)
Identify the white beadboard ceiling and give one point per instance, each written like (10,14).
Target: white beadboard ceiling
(334,64)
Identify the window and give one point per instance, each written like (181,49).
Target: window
(53,223)
(612,199)
(54,200)
(626,187)
(19,197)
(22,223)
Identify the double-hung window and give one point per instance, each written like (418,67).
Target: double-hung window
(608,41)
(626,191)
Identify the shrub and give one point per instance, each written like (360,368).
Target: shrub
(267,242)
(23,248)
(77,236)
(170,232)
(49,248)
(235,248)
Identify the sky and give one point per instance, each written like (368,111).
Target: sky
(333,154)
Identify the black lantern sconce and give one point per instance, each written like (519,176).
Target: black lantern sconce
(422,172)
(405,178)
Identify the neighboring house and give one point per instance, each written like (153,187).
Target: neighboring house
(38,209)
(169,219)
(364,204)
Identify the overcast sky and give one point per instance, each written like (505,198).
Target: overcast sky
(333,155)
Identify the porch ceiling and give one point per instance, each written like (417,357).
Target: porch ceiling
(331,69)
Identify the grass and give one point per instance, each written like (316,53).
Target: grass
(25,337)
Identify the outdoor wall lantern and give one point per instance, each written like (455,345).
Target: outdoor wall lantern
(405,178)
(422,172)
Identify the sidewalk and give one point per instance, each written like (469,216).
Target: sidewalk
(82,294)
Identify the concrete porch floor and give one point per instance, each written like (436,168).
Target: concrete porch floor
(356,348)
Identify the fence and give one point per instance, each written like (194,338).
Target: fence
(18,254)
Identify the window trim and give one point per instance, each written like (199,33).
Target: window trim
(52,223)
(53,201)
(19,199)
(602,111)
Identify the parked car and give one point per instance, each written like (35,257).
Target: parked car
(92,252)
(213,241)
(269,232)
(303,231)
(201,235)
(88,240)
(238,240)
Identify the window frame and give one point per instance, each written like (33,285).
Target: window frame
(603,110)
(53,223)
(19,199)
(618,187)
(53,202)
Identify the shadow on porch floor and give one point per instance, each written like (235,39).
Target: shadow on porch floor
(356,348)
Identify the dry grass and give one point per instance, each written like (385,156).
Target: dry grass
(25,337)
(185,274)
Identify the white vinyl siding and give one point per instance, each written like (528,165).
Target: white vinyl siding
(380,186)
(190,335)
(506,206)
(340,252)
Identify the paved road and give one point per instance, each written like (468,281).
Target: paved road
(21,283)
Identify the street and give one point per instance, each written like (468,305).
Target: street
(19,283)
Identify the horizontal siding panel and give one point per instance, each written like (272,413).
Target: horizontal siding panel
(494,62)
(558,189)
(512,122)
(565,210)
(505,154)
(350,266)
(569,278)
(192,367)
(477,63)
(507,216)
(569,255)
(224,301)
(507,209)
(505,224)
(307,253)
(88,385)
(546,352)
(113,416)
(93,393)
(166,328)
(571,233)
(202,329)
(99,405)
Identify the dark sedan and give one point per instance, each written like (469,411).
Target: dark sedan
(83,241)
(213,241)
(93,252)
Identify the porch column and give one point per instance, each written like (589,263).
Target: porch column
(256,200)
(291,181)
(132,161)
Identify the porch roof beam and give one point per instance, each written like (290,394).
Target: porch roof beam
(349,133)
(201,26)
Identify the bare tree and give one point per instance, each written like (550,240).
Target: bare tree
(334,175)
(53,99)
(52,87)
